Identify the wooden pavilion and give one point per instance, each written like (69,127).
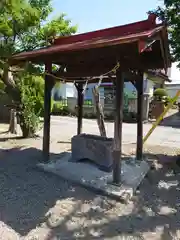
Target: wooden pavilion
(136,47)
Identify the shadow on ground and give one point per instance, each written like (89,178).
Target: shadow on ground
(172,121)
(7,138)
(25,192)
(27,195)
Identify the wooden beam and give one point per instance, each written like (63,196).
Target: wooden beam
(99,67)
(108,78)
(78,71)
(79,87)
(100,53)
(139,151)
(118,127)
(47,111)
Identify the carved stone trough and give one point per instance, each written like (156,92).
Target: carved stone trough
(94,148)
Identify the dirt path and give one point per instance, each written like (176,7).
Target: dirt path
(35,205)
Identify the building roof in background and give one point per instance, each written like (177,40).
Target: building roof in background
(173,85)
(161,74)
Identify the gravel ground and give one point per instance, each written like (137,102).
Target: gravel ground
(41,206)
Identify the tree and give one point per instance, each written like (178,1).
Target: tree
(24,27)
(169,13)
(160,93)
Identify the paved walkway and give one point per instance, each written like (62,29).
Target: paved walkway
(65,127)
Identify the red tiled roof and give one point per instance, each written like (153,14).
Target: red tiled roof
(119,31)
(87,44)
(134,32)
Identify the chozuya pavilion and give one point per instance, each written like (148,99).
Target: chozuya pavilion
(128,50)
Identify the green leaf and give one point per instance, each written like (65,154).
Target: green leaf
(24,26)
(170,13)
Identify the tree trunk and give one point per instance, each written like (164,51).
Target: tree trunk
(14,92)
(13,122)
(27,131)
(99,112)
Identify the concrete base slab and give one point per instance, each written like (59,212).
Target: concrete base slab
(89,176)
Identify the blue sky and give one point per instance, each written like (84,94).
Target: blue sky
(92,15)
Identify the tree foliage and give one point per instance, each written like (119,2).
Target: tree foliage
(170,13)
(160,92)
(24,27)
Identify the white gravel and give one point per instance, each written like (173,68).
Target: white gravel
(35,205)
(41,206)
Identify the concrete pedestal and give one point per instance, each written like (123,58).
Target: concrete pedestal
(89,176)
(94,148)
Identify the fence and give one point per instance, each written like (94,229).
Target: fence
(89,109)
(88,102)
(62,102)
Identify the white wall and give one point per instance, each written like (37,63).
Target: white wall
(149,85)
(65,90)
(71,90)
(62,90)
(175,73)
(172,90)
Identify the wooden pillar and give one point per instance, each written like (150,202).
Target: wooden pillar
(47,112)
(118,127)
(79,87)
(139,151)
